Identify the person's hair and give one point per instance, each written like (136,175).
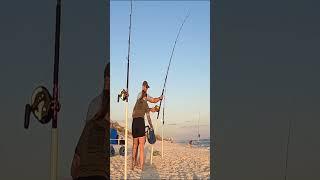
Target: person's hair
(143,94)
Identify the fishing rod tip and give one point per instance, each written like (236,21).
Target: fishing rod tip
(189,11)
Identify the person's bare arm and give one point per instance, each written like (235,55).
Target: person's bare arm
(149,120)
(153,109)
(155,100)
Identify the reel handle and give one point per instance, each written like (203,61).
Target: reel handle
(157,108)
(27,113)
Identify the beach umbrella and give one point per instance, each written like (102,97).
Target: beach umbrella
(46,107)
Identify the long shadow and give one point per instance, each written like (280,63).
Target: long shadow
(149,172)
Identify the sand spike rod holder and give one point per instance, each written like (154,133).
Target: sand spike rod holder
(124,97)
(46,107)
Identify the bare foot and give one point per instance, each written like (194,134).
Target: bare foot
(141,167)
(137,164)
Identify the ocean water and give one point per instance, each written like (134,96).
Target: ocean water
(203,143)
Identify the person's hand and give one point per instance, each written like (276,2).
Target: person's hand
(126,94)
(161,97)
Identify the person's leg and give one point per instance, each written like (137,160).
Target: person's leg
(134,151)
(137,162)
(141,144)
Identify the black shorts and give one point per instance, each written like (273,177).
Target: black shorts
(138,127)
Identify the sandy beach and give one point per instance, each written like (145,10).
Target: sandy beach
(179,162)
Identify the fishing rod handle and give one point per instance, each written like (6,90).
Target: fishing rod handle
(27,116)
(159,109)
(160,104)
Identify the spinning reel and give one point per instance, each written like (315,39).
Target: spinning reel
(156,108)
(123,95)
(41,106)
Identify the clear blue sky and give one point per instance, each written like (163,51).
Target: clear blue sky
(155,25)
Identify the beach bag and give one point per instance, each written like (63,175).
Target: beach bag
(151,136)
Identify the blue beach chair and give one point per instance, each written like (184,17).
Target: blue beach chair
(116,143)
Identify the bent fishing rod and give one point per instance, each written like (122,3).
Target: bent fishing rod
(45,107)
(165,81)
(287,147)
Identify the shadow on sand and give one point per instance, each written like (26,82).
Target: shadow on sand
(149,172)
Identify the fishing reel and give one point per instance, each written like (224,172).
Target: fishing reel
(156,108)
(41,106)
(123,95)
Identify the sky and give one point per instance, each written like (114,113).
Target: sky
(266,73)
(152,37)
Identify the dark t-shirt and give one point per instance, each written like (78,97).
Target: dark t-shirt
(140,108)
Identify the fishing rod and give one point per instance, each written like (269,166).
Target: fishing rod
(198,130)
(165,81)
(45,107)
(287,152)
(164,105)
(288,144)
(164,86)
(124,97)
(214,22)
(124,92)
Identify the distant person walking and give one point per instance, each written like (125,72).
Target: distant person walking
(90,158)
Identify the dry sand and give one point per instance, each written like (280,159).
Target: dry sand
(179,162)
